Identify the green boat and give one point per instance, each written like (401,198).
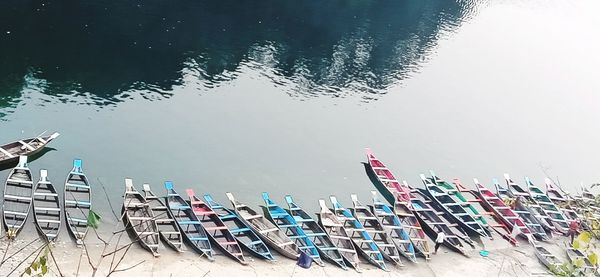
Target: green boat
(459,198)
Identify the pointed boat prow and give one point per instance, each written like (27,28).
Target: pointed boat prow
(506,176)
(146,187)
(43,175)
(190,193)
(22,162)
(323,205)
(423,177)
(128,184)
(230,197)
(265,196)
(77,166)
(168,185)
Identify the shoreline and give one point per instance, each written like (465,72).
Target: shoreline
(503,260)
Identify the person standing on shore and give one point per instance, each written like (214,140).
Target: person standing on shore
(573,229)
(439,240)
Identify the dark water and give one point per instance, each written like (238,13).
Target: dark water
(283,96)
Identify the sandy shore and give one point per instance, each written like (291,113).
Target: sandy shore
(503,260)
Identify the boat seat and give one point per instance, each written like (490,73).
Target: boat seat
(302,220)
(6,153)
(18,198)
(372,251)
(27,145)
(279,214)
(338,237)
(19,181)
(45,194)
(229,216)
(239,230)
(346,250)
(215,228)
(189,222)
(316,234)
(170,233)
(385,245)
(139,218)
(394,227)
(288,226)
(268,230)
(327,248)
(78,202)
(79,220)
(306,247)
(16,213)
(180,207)
(48,221)
(77,186)
(252,217)
(47,209)
(297,237)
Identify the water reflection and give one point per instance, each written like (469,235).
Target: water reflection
(106,50)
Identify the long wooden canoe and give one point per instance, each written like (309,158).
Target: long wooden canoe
(492,221)
(77,202)
(217,231)
(356,231)
(139,218)
(498,203)
(444,196)
(338,235)
(284,221)
(18,190)
(240,230)
(545,257)
(376,230)
(392,223)
(167,227)
(556,216)
(398,196)
(9,153)
(315,233)
(264,228)
(576,256)
(46,208)
(524,199)
(433,221)
(188,222)
(562,200)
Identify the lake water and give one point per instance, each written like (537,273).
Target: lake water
(283,96)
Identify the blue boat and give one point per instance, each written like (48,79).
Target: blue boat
(391,222)
(188,222)
(241,231)
(315,233)
(291,228)
(356,231)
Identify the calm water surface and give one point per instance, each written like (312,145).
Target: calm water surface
(283,96)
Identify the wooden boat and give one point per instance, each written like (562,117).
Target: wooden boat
(508,213)
(562,200)
(433,222)
(139,218)
(46,208)
(338,235)
(392,224)
(376,230)
(399,197)
(557,218)
(315,233)
(188,222)
(574,254)
(265,229)
(240,230)
(9,153)
(524,199)
(167,227)
(77,202)
(217,231)
(545,257)
(291,228)
(18,190)
(360,237)
(455,210)
(493,221)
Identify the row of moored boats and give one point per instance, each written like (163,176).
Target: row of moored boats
(381,233)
